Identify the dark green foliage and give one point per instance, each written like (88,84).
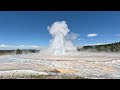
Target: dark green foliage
(3,52)
(18,51)
(32,51)
(113,47)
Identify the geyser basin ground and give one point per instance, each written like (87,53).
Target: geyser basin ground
(83,64)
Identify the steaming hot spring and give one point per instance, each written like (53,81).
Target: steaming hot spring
(62,55)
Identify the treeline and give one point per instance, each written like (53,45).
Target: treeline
(3,52)
(113,47)
(18,51)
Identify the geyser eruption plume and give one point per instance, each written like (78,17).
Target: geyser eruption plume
(58,31)
(60,38)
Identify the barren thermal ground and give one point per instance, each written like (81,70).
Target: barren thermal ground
(83,64)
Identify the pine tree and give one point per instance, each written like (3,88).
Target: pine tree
(18,51)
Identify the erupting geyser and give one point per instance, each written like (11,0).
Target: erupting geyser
(61,41)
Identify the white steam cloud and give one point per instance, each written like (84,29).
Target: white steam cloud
(72,36)
(58,27)
(61,41)
(92,35)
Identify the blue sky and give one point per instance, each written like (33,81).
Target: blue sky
(30,27)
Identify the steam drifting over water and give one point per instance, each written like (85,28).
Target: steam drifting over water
(62,38)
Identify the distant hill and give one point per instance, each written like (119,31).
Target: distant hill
(113,47)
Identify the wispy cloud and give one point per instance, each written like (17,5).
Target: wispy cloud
(14,47)
(92,35)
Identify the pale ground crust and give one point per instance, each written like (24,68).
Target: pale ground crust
(83,64)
